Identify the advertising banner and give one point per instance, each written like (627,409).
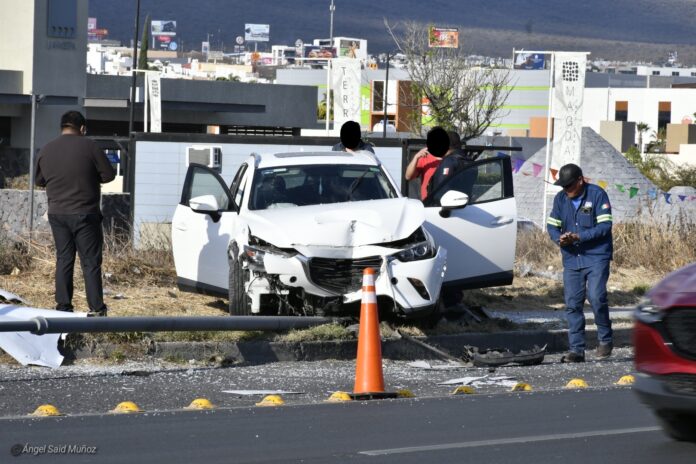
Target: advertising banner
(319,55)
(257,32)
(568,96)
(165,43)
(205,47)
(345,83)
(530,61)
(153,86)
(348,48)
(163,27)
(440,37)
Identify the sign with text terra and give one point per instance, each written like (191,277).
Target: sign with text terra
(345,83)
(257,32)
(442,37)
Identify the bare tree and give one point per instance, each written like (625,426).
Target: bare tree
(462,97)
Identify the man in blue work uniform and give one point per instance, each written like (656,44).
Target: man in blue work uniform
(580,223)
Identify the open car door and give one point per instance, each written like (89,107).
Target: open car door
(201,229)
(480,236)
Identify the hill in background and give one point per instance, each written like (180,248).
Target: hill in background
(616,29)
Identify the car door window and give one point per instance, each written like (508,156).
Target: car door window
(483,181)
(238,186)
(203,181)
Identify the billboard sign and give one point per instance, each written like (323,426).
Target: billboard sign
(205,47)
(165,43)
(257,32)
(530,61)
(441,37)
(91,24)
(163,27)
(348,48)
(317,53)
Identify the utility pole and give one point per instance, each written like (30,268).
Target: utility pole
(386,84)
(332,8)
(134,81)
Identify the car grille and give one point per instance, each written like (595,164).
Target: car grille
(341,275)
(681,329)
(684,384)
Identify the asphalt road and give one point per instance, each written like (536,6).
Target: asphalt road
(602,425)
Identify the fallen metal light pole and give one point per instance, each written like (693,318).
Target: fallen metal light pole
(46,325)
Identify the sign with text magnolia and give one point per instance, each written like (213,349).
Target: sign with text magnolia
(345,83)
(569,86)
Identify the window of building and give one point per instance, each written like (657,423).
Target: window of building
(675,73)
(656,73)
(621,111)
(664,114)
(693,74)
(377,95)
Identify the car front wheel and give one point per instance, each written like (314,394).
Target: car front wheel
(681,427)
(239,302)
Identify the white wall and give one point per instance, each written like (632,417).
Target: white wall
(642,105)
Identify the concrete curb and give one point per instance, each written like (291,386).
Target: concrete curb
(261,352)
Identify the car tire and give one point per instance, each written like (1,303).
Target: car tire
(239,302)
(681,427)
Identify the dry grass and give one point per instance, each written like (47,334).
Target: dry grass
(143,282)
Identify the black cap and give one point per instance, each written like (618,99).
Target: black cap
(568,174)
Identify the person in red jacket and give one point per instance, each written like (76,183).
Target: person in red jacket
(426,161)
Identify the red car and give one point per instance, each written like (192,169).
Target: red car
(665,352)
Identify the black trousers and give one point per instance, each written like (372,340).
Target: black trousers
(81,233)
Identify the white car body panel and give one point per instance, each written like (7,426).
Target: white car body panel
(484,236)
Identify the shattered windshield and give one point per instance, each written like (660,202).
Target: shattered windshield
(280,187)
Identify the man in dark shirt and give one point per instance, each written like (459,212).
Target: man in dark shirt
(71,167)
(454,161)
(351,139)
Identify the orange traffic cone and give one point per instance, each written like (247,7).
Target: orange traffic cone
(369,381)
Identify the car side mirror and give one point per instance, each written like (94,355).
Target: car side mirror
(452,199)
(204,204)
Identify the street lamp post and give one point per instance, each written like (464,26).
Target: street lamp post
(332,8)
(386,85)
(133,67)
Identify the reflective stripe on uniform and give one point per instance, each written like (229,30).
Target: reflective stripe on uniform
(604,218)
(554,222)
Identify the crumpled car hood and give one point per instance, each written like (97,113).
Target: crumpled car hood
(351,224)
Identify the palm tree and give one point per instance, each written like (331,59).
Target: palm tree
(659,142)
(642,127)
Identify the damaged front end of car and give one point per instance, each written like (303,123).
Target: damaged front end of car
(327,280)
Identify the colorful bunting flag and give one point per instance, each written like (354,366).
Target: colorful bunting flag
(667,197)
(620,188)
(652,193)
(526,174)
(537,169)
(554,173)
(603,184)
(633,191)
(500,154)
(682,197)
(518,165)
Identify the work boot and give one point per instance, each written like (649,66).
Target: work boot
(65,308)
(604,350)
(573,357)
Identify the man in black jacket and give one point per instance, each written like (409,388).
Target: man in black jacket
(71,167)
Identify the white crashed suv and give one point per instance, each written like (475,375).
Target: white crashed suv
(293,233)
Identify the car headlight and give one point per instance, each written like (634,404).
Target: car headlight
(417,251)
(254,256)
(646,306)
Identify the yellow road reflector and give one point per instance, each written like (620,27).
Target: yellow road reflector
(46,410)
(339,396)
(405,393)
(200,403)
(271,400)
(577,383)
(626,380)
(521,387)
(463,390)
(126,407)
